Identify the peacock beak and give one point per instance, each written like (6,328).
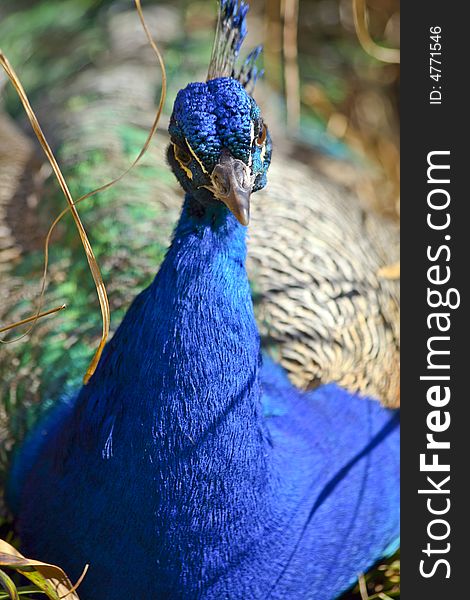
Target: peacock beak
(232,184)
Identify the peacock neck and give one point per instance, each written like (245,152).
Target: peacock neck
(171,422)
(179,381)
(200,363)
(207,335)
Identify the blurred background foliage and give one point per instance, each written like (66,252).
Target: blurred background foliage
(328,102)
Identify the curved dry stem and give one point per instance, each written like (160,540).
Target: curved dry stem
(388,55)
(93,264)
(28,320)
(291,64)
(104,304)
(78,582)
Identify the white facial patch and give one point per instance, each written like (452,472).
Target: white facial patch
(252,139)
(263,152)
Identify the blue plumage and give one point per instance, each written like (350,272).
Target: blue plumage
(165,473)
(187,467)
(212,116)
(249,72)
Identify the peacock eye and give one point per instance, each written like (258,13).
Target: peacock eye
(181,155)
(261,138)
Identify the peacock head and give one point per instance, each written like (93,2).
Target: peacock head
(220,147)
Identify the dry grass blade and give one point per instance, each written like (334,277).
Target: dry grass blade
(79,581)
(290,10)
(48,578)
(95,270)
(363,587)
(72,204)
(33,318)
(388,55)
(7,584)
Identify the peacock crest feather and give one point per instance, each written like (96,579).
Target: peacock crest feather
(230,33)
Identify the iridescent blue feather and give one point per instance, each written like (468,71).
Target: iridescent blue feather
(249,72)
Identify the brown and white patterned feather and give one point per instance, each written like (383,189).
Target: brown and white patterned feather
(323,308)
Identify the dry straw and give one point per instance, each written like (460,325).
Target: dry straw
(72,204)
(388,55)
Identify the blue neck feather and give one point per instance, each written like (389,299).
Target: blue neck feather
(179,381)
(192,334)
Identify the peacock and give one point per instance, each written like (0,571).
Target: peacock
(188,446)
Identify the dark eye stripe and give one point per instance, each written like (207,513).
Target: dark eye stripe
(181,154)
(183,158)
